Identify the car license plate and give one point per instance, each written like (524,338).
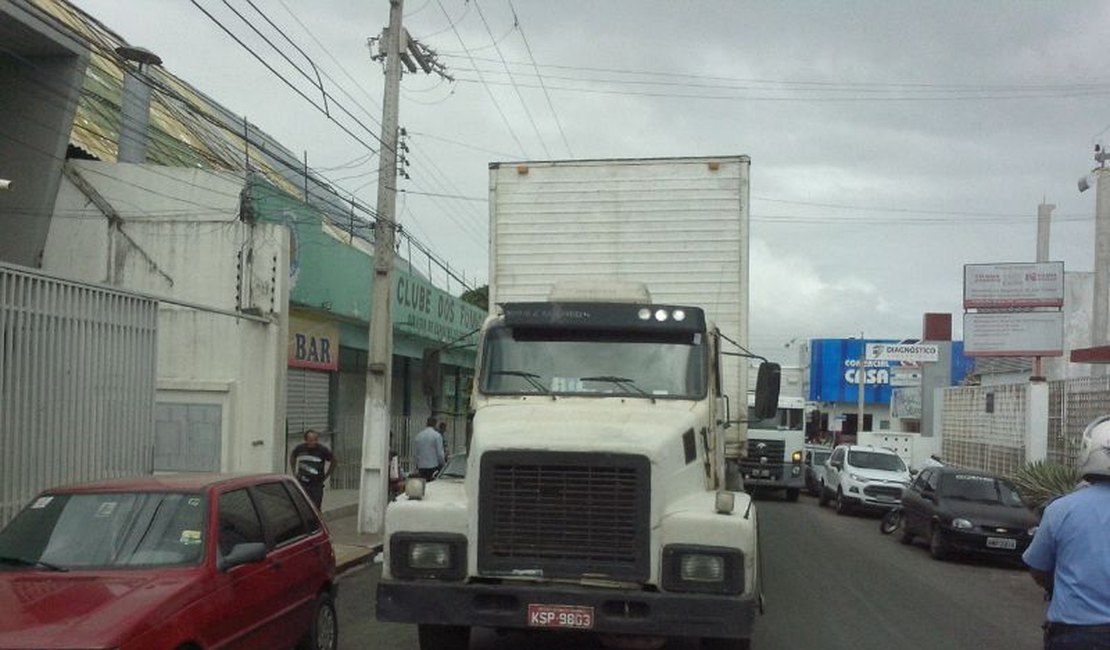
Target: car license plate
(1001,542)
(574,617)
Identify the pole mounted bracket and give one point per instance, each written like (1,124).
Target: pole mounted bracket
(376,368)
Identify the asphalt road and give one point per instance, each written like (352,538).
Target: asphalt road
(831,583)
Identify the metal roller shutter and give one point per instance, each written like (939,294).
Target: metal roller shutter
(306,401)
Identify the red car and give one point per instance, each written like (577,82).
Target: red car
(181,562)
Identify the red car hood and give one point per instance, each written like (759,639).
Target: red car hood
(86,609)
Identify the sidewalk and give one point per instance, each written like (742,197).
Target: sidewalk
(340,509)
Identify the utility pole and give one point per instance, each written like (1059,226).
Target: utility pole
(861,384)
(397,49)
(1044,225)
(1101,305)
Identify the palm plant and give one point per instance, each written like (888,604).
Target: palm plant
(1040,482)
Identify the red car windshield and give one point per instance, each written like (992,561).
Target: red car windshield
(86,531)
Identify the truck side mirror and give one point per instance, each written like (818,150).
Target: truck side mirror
(767,390)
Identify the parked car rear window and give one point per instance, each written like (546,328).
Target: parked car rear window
(985,489)
(281,515)
(108,530)
(875,460)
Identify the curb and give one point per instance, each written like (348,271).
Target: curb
(358,559)
(349,510)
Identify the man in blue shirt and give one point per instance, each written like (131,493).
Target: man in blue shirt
(1070,554)
(427,450)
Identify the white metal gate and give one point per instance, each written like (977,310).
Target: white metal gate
(77,384)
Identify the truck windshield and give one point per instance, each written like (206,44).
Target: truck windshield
(529,361)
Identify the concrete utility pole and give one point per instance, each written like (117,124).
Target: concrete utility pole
(861,383)
(397,49)
(379,370)
(1044,226)
(1102,257)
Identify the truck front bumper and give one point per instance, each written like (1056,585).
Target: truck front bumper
(615,611)
(774,475)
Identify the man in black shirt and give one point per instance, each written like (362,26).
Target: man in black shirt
(312,464)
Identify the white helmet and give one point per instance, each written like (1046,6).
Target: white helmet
(1094,452)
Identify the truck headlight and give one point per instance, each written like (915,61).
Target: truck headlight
(699,567)
(441,556)
(796,457)
(429,555)
(706,569)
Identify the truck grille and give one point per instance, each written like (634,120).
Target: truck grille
(564,514)
(772,449)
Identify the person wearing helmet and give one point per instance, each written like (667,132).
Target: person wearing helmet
(1070,555)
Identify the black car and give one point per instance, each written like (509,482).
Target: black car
(960,510)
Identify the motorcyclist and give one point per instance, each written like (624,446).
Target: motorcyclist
(1070,557)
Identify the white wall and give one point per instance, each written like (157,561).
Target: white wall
(181,238)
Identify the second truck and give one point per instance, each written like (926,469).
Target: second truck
(602,487)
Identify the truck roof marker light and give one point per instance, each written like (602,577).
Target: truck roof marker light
(714,165)
(522,170)
(661,315)
(414,488)
(726,502)
(644,314)
(679,315)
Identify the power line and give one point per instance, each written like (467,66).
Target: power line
(547,95)
(801,98)
(292,86)
(685,78)
(512,80)
(461,144)
(496,105)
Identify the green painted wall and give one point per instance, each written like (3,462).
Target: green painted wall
(332,276)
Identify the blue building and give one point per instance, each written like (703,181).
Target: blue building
(891,389)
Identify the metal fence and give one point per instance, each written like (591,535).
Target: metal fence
(347,443)
(1072,404)
(984,427)
(77,384)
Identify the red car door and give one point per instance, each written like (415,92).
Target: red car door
(295,556)
(241,606)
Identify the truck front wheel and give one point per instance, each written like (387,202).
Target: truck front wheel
(726,644)
(444,637)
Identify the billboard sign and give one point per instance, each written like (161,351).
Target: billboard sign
(1017,285)
(910,352)
(1014,334)
(906,403)
(905,376)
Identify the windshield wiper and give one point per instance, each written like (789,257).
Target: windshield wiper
(622,382)
(35,563)
(531,377)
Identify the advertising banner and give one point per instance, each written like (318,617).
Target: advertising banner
(1014,334)
(988,286)
(912,352)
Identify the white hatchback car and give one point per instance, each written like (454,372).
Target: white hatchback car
(866,477)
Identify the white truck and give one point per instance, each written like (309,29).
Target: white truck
(776,448)
(595,496)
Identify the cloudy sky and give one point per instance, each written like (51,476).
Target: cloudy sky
(891,142)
